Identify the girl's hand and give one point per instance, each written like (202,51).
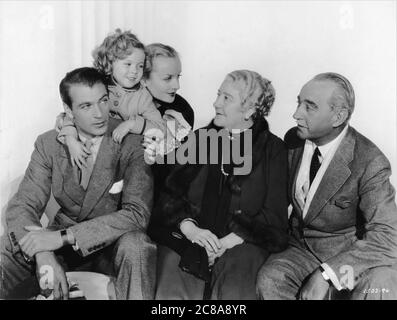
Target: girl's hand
(78,152)
(59,121)
(150,145)
(202,237)
(122,129)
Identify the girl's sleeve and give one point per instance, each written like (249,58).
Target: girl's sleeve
(148,117)
(65,127)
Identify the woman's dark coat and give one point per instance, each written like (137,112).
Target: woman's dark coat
(258,206)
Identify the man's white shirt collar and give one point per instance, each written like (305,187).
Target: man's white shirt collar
(303,193)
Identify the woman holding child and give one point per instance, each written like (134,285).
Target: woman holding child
(142,84)
(225,222)
(121,57)
(161,78)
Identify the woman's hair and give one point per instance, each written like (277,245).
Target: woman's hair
(256,90)
(117,45)
(155,50)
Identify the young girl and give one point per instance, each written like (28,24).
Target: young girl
(121,57)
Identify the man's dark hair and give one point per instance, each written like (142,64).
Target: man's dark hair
(85,76)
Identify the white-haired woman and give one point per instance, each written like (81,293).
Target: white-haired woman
(225,222)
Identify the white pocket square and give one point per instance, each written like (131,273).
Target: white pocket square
(117,187)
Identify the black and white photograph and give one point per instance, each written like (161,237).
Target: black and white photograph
(211,151)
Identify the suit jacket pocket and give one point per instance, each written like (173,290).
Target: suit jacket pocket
(117,187)
(344,203)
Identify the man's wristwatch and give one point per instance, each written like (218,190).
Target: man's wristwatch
(67,238)
(64,236)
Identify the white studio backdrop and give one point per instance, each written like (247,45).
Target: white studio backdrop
(287,42)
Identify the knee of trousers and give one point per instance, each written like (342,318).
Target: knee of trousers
(238,261)
(133,246)
(269,275)
(379,277)
(5,266)
(13,269)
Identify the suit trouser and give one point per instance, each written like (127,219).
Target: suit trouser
(233,275)
(131,260)
(283,274)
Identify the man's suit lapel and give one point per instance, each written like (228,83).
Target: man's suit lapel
(334,177)
(102,175)
(70,176)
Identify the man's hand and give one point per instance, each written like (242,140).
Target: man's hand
(315,288)
(38,240)
(122,129)
(51,276)
(78,152)
(202,237)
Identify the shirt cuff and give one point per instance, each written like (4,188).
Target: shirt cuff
(75,247)
(70,235)
(328,272)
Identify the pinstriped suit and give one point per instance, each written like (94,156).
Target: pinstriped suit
(115,222)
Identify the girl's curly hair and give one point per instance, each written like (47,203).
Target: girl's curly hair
(117,45)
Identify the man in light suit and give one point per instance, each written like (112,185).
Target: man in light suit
(104,206)
(344,218)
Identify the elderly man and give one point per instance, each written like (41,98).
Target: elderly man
(104,206)
(344,219)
